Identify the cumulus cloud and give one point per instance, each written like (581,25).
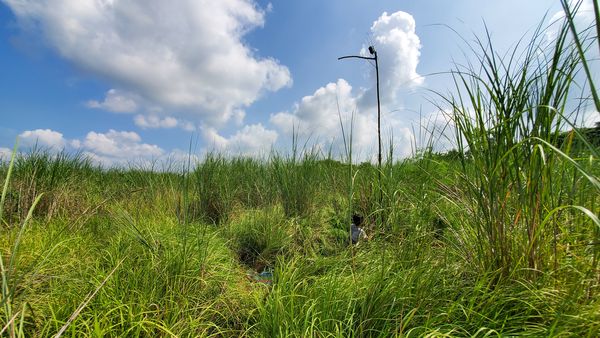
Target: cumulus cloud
(109,149)
(43,137)
(116,102)
(119,145)
(188,56)
(320,116)
(5,154)
(154,122)
(398,50)
(251,140)
(125,148)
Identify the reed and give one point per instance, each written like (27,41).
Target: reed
(508,113)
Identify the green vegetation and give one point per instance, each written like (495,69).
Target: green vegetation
(498,237)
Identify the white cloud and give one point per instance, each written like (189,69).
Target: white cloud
(76,144)
(187,56)
(120,145)
(123,148)
(319,114)
(43,137)
(591,118)
(318,117)
(5,154)
(115,101)
(154,122)
(114,148)
(398,51)
(584,18)
(252,140)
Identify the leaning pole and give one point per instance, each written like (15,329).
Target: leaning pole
(373,52)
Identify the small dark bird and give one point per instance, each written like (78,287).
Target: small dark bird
(371,50)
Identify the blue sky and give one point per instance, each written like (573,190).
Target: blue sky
(124,80)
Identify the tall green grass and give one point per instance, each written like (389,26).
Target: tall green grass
(509,111)
(13,313)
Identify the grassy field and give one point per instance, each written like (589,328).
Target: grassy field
(498,237)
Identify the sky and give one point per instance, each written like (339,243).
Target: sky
(141,80)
